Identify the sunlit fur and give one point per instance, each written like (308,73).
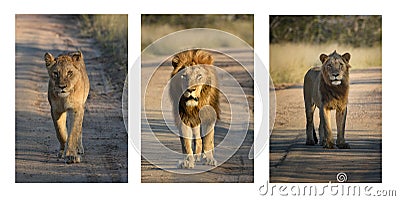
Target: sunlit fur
(195,101)
(67,93)
(327,87)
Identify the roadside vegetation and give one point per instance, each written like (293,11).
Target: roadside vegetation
(290,61)
(297,41)
(111,33)
(157,26)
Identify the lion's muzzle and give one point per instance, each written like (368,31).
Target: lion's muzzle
(336,79)
(62,91)
(190,98)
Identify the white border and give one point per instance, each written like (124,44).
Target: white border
(261,9)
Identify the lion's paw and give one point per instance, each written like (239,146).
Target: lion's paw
(60,154)
(310,142)
(72,159)
(329,145)
(197,157)
(208,159)
(188,162)
(343,146)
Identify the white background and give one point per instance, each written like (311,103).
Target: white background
(134,190)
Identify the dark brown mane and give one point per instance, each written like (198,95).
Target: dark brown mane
(339,93)
(190,115)
(329,93)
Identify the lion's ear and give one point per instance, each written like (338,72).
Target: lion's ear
(323,58)
(175,61)
(49,59)
(77,56)
(346,57)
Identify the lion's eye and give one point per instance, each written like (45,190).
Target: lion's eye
(199,77)
(183,76)
(69,73)
(55,74)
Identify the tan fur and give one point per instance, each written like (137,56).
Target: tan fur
(67,93)
(195,99)
(327,88)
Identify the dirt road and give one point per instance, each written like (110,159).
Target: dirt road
(292,161)
(104,134)
(161,147)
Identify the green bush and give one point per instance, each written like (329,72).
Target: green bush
(354,30)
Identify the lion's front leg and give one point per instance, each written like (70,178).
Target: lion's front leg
(341,124)
(208,118)
(311,138)
(325,115)
(186,140)
(60,124)
(74,139)
(198,145)
(208,145)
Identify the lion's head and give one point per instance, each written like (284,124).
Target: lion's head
(193,74)
(64,72)
(193,80)
(335,68)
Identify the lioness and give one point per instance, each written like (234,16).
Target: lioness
(195,99)
(327,88)
(67,92)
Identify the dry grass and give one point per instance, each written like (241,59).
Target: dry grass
(241,29)
(289,62)
(111,31)
(151,33)
(111,34)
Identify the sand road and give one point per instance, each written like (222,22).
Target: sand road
(292,161)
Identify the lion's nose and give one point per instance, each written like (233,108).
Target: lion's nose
(335,74)
(62,86)
(190,90)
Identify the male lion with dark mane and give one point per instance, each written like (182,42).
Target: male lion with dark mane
(327,87)
(195,99)
(67,93)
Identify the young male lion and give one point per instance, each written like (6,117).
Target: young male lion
(327,88)
(195,99)
(67,92)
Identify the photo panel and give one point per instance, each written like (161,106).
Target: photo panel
(326,98)
(197,98)
(70,72)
